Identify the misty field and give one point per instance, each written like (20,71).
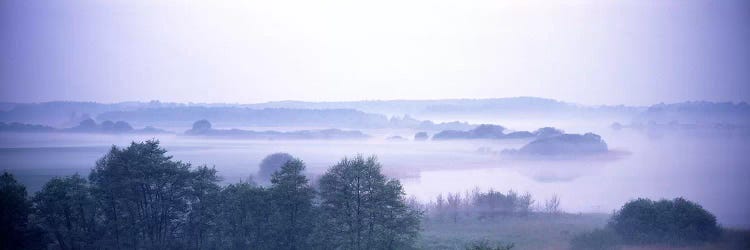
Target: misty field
(538,231)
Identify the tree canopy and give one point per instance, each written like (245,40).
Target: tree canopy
(362,209)
(138,197)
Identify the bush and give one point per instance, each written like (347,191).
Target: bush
(677,221)
(271,164)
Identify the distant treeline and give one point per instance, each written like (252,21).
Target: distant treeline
(269,117)
(368,114)
(204,128)
(490,132)
(85,126)
(139,198)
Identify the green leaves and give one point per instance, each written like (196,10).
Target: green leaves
(137,197)
(677,221)
(16,229)
(361,209)
(67,211)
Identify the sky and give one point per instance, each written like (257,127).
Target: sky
(635,52)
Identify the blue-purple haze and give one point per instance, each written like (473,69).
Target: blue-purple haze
(591,52)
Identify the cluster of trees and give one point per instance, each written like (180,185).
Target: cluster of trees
(204,128)
(349,118)
(487,205)
(22,127)
(139,198)
(646,222)
(85,126)
(563,145)
(492,132)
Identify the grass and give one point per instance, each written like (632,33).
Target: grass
(537,231)
(541,231)
(731,239)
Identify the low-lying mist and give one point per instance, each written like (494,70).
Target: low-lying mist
(711,170)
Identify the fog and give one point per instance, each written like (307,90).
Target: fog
(417,124)
(709,169)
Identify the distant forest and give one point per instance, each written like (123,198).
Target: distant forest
(366,114)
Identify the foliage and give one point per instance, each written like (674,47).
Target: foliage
(244,217)
(294,212)
(361,209)
(270,164)
(143,196)
(137,197)
(16,231)
(67,211)
(200,226)
(677,221)
(646,222)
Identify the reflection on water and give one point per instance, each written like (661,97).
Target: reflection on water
(713,171)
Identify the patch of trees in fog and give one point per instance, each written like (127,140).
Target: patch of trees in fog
(204,128)
(369,114)
(22,127)
(341,118)
(139,198)
(490,131)
(563,145)
(253,117)
(90,126)
(85,126)
(700,112)
(270,164)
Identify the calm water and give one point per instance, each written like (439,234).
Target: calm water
(712,170)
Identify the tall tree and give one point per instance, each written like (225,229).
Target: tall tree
(244,219)
(292,197)
(361,209)
(201,226)
(67,212)
(143,196)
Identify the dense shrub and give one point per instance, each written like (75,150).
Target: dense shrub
(677,221)
(271,164)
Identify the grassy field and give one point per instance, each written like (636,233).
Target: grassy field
(541,231)
(731,239)
(538,231)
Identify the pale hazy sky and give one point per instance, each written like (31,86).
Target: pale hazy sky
(591,52)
